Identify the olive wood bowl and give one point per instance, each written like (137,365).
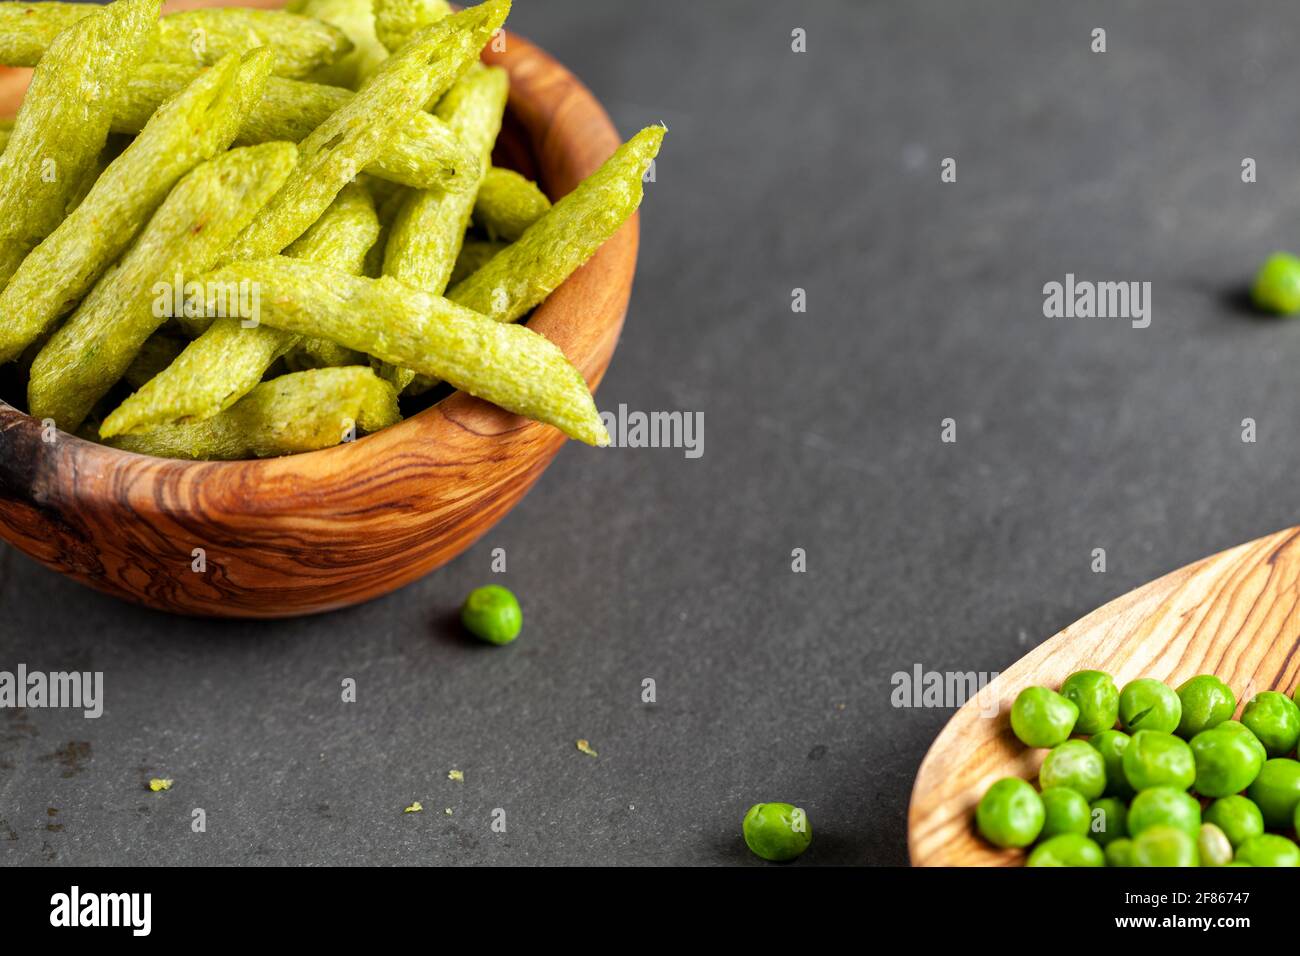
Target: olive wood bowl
(328,529)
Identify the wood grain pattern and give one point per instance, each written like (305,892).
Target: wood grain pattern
(332,528)
(1235,614)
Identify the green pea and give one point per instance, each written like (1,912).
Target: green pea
(1068,849)
(1277,284)
(1108,820)
(1119,852)
(1111,744)
(1226,762)
(1164,845)
(1276,791)
(1010,814)
(777,831)
(1042,717)
(1147,704)
(1269,849)
(1164,806)
(1065,811)
(1213,846)
(492,613)
(1275,719)
(1156,759)
(1076,765)
(1237,817)
(1206,702)
(1237,726)
(1097,698)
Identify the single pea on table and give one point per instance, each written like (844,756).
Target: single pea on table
(1150,776)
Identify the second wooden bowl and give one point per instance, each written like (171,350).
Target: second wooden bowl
(315,532)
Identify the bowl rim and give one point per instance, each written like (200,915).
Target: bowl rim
(477,427)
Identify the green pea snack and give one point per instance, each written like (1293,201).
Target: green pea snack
(300,44)
(1076,765)
(1064,811)
(777,832)
(64,119)
(492,614)
(1068,849)
(1275,719)
(1206,702)
(1147,704)
(1042,718)
(1135,799)
(1277,284)
(308,190)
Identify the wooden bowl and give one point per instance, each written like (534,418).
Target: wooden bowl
(328,529)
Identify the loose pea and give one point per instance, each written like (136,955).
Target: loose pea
(492,613)
(1226,762)
(1068,849)
(1164,806)
(1111,745)
(1076,765)
(1275,719)
(1119,852)
(1277,284)
(1010,814)
(1276,791)
(1108,820)
(1269,849)
(777,831)
(1042,717)
(1237,817)
(1164,845)
(1213,845)
(1156,759)
(1237,726)
(1097,698)
(1147,704)
(1206,702)
(1065,811)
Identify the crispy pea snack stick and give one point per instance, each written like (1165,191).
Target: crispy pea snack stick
(351,138)
(6,130)
(508,365)
(96,345)
(396,20)
(294,413)
(553,248)
(301,44)
(474,255)
(429,228)
(507,204)
(425,154)
(228,360)
(340,239)
(186,131)
(64,120)
(356,19)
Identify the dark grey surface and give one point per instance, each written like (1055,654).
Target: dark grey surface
(822,432)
